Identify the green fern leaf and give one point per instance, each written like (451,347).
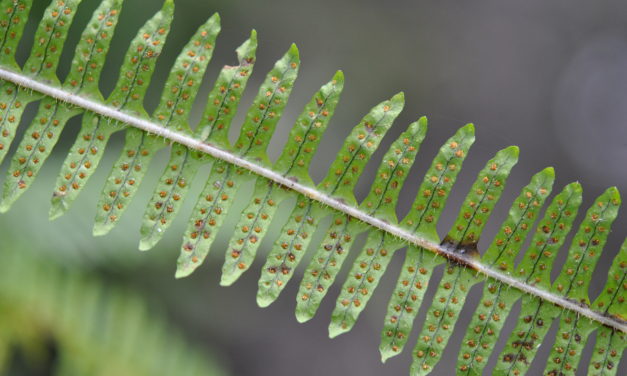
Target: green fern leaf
(247,160)
(267,108)
(610,344)
(208,215)
(12,22)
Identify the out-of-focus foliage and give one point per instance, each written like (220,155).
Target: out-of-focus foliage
(56,315)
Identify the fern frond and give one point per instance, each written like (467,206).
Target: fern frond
(247,162)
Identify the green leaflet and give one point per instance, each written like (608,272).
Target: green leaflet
(441,317)
(328,259)
(81,161)
(405,300)
(139,148)
(216,121)
(250,230)
(87,151)
(289,248)
(306,134)
(522,215)
(480,201)
(267,108)
(549,237)
(610,343)
(52,115)
(485,327)
(34,149)
(569,343)
(393,172)
(89,56)
(362,279)
(168,196)
(12,103)
(186,75)
(456,281)
(437,184)
(227,91)
(124,179)
(422,219)
(208,215)
(13,17)
(376,254)
(49,39)
(358,148)
(497,299)
(532,326)
(42,61)
(139,62)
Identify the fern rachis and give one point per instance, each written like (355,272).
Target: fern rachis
(233,165)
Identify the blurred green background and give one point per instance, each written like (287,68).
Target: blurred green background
(547,76)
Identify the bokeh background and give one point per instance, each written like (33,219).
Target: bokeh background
(550,77)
